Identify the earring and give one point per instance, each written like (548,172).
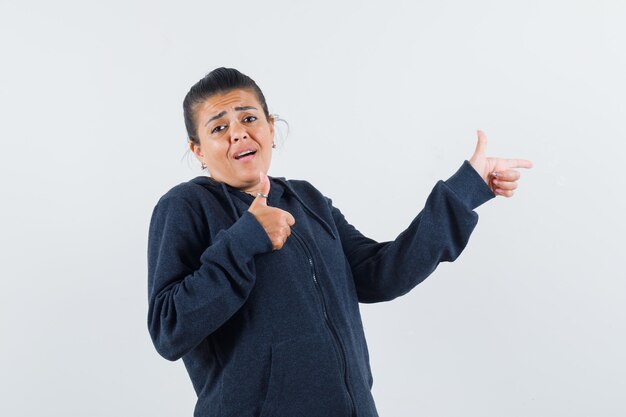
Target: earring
(203,166)
(273,145)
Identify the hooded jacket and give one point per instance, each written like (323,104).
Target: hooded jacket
(278,333)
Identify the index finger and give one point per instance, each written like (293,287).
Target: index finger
(519,163)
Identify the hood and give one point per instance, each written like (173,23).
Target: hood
(279,186)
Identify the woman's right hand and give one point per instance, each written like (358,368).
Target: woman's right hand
(276,222)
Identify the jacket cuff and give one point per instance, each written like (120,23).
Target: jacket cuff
(250,235)
(469,186)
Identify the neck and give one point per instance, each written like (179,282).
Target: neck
(252,190)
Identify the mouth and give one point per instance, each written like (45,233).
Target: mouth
(245,155)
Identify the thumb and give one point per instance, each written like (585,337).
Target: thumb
(481,146)
(265,189)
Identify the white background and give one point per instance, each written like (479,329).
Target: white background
(383,100)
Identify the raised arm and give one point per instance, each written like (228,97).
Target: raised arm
(383,271)
(439,233)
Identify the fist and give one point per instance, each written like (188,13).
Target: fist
(276,222)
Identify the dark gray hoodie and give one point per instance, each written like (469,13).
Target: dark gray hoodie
(278,333)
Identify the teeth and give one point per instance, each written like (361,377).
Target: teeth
(244,153)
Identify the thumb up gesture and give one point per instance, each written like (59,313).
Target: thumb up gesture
(276,222)
(498,173)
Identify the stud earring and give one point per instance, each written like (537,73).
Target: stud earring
(273,145)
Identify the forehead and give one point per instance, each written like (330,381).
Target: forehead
(228,101)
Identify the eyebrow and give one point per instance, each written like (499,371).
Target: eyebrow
(221,114)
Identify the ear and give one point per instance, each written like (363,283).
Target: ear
(271,121)
(195,149)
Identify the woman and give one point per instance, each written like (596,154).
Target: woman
(255,281)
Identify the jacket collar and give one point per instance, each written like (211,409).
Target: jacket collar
(276,190)
(278,186)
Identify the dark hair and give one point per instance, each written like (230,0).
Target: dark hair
(219,81)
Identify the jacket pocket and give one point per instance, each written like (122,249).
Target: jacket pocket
(305,379)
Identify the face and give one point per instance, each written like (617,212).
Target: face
(228,125)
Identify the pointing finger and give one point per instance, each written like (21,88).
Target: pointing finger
(519,163)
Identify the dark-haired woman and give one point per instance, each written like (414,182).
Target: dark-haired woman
(255,281)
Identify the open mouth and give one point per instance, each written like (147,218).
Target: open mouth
(245,154)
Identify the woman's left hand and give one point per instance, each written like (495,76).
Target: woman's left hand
(498,173)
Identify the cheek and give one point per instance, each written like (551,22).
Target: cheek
(267,135)
(217,152)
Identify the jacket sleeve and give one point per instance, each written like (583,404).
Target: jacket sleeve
(386,270)
(194,286)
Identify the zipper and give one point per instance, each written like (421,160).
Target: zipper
(329,324)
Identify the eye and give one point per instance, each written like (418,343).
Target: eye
(249,119)
(218,128)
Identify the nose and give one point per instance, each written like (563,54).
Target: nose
(238,132)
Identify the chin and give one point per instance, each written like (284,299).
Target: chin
(248,179)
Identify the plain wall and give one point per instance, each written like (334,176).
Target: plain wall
(383,99)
